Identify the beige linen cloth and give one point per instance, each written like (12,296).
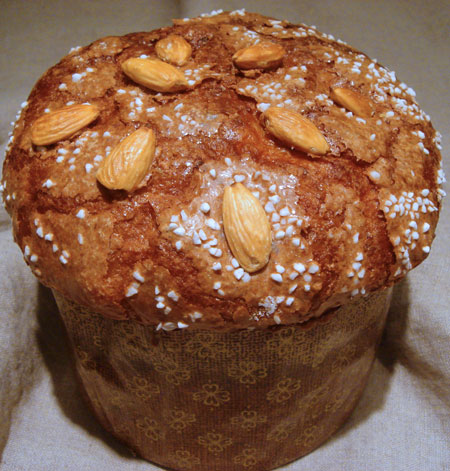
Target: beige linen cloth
(402,420)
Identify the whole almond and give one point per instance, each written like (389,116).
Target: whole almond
(174,49)
(247,227)
(155,74)
(125,167)
(295,130)
(61,124)
(259,56)
(354,101)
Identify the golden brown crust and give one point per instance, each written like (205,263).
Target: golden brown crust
(344,224)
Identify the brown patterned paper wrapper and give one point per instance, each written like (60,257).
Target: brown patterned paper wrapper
(225,401)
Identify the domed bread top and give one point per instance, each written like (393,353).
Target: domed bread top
(230,171)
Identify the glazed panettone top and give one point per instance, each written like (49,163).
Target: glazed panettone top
(269,173)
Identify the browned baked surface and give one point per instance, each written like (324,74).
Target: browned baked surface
(344,224)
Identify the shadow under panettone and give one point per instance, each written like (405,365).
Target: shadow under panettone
(54,347)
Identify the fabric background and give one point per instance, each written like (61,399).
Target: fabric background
(402,421)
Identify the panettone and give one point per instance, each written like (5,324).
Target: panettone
(229,172)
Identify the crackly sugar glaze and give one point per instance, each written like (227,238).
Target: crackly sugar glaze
(344,224)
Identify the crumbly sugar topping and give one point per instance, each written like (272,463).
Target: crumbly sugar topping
(346,219)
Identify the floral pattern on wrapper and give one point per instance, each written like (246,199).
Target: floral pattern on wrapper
(235,401)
